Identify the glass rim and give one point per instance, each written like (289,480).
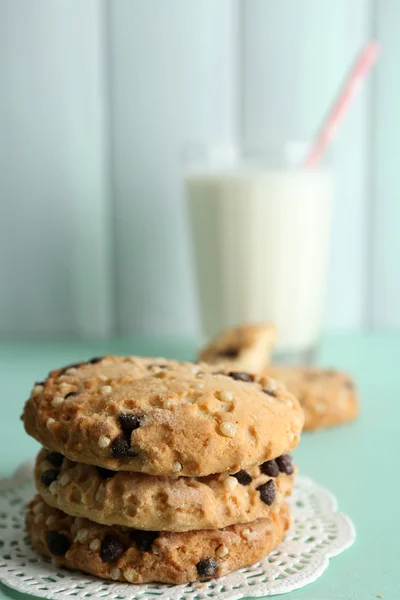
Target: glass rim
(231,153)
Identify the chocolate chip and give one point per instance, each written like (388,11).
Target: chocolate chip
(48,476)
(143,539)
(284,463)
(229,353)
(111,549)
(120,447)
(71,394)
(241,376)
(270,468)
(105,473)
(55,458)
(207,567)
(269,392)
(129,422)
(267,492)
(57,543)
(243,477)
(95,360)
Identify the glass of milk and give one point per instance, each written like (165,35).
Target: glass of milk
(260,224)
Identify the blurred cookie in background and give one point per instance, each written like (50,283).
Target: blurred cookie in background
(247,347)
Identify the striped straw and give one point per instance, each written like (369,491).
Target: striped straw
(357,74)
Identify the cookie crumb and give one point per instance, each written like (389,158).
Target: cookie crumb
(228,429)
(379,596)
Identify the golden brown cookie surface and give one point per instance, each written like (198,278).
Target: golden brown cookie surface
(158,502)
(141,557)
(246,347)
(162,417)
(328,397)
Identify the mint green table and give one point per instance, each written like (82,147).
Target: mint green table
(358,462)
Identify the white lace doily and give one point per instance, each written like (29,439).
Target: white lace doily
(317,534)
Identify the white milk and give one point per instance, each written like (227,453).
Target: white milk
(261,242)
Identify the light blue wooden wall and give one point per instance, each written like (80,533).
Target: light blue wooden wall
(97,101)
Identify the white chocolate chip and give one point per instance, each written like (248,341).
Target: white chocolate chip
(50,521)
(115,573)
(226,396)
(272,386)
(130,575)
(228,429)
(246,534)
(230,483)
(199,385)
(106,389)
(57,400)
(221,551)
(50,422)
(64,480)
(38,508)
(103,377)
(82,536)
(103,441)
(64,386)
(95,545)
(38,518)
(155,550)
(53,488)
(176,467)
(37,389)
(277,504)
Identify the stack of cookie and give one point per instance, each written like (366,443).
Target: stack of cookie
(159,471)
(327,396)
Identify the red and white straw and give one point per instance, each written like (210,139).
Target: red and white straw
(357,74)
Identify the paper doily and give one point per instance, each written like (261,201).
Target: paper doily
(318,533)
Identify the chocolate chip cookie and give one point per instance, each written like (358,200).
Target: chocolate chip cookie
(327,396)
(162,503)
(135,556)
(246,347)
(162,417)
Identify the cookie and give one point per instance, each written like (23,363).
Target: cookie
(134,556)
(246,347)
(158,502)
(162,417)
(328,397)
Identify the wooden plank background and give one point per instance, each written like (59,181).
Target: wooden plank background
(98,99)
